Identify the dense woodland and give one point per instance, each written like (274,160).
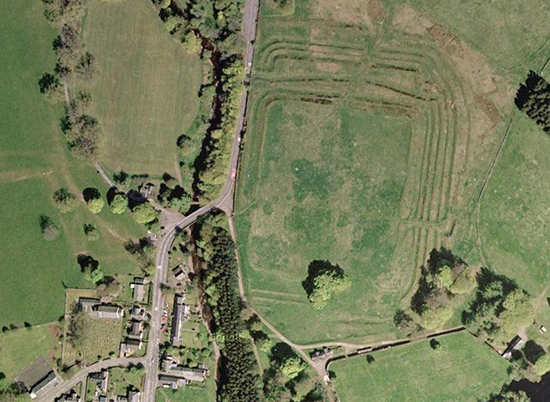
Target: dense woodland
(239,379)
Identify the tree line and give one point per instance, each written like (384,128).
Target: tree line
(239,380)
(211,29)
(81,129)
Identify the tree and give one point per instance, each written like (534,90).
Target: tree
(64,200)
(542,365)
(445,276)
(323,280)
(86,66)
(145,213)
(119,204)
(292,367)
(91,232)
(48,228)
(90,268)
(96,205)
(433,319)
(50,86)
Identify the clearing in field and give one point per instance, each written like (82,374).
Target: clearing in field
(145,91)
(34,162)
(368,139)
(461,369)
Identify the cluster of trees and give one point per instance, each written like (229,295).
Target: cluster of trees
(533,98)
(287,379)
(239,379)
(499,310)
(173,196)
(444,277)
(210,27)
(147,215)
(323,280)
(81,129)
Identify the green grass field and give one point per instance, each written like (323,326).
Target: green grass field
(514,211)
(20,347)
(371,129)
(461,370)
(187,394)
(34,162)
(145,92)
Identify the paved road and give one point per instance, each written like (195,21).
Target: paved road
(224,202)
(81,376)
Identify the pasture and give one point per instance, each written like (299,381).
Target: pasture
(514,211)
(460,370)
(145,90)
(370,133)
(34,162)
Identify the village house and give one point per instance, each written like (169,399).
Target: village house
(129,347)
(178,273)
(515,344)
(109,311)
(180,311)
(44,385)
(101,380)
(169,381)
(138,287)
(136,329)
(71,397)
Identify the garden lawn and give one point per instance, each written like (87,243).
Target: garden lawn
(461,370)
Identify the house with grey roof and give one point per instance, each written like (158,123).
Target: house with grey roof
(44,385)
(70,397)
(86,304)
(177,320)
(178,273)
(138,288)
(136,329)
(109,311)
(101,379)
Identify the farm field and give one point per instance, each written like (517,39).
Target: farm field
(144,98)
(20,347)
(370,134)
(461,370)
(34,162)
